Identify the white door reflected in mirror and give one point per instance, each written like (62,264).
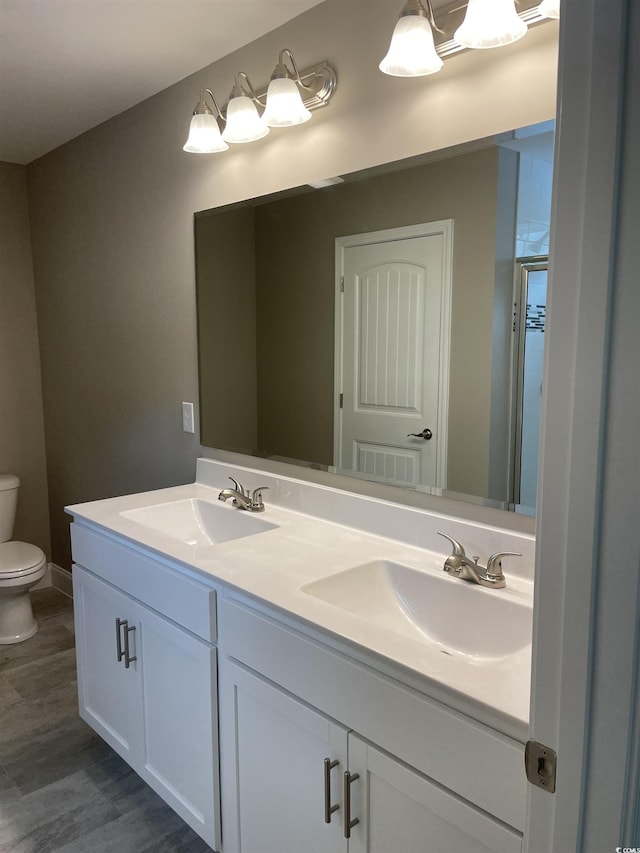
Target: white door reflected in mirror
(393,311)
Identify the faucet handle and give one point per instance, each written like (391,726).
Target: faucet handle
(494,563)
(458,550)
(256,494)
(239,488)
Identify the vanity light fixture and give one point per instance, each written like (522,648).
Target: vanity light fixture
(412,52)
(422,39)
(285,106)
(288,100)
(204,132)
(490,23)
(244,122)
(549,9)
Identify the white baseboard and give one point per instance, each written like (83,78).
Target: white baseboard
(58,578)
(61,579)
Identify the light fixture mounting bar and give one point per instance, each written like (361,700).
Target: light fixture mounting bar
(320,83)
(450,17)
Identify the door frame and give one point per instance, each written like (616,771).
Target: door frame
(584,699)
(444,228)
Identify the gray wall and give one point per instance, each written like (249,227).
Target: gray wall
(226,304)
(22,450)
(113,238)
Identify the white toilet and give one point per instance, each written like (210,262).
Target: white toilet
(21,566)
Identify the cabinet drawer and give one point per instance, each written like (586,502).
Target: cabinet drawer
(481,765)
(185,601)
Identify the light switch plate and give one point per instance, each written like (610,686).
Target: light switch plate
(188,424)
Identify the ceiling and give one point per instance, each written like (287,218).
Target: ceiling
(68,65)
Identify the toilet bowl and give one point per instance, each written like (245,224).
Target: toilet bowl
(21,566)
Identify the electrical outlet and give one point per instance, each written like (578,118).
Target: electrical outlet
(188,424)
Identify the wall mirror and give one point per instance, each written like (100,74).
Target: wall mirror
(389,325)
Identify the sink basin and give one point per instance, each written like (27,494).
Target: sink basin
(197,522)
(460,617)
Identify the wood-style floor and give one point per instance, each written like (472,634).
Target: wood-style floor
(62,788)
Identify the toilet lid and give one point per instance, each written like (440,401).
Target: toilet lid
(19,558)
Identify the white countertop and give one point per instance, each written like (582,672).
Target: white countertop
(272,566)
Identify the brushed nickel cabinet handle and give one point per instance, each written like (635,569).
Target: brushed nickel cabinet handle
(349,778)
(328,808)
(119,652)
(128,659)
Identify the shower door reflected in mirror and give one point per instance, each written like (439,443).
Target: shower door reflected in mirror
(531,300)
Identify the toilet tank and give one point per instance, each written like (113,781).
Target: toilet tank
(9,486)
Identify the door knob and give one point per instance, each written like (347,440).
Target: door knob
(426,434)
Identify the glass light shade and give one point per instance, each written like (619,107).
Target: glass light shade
(243,122)
(549,8)
(284,104)
(412,52)
(204,135)
(490,23)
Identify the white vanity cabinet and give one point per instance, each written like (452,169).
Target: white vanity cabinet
(146,683)
(400,809)
(109,690)
(274,778)
(286,762)
(267,722)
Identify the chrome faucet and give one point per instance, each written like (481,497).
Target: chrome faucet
(242,498)
(460,566)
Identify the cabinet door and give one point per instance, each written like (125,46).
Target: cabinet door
(399,809)
(273,751)
(109,693)
(181,722)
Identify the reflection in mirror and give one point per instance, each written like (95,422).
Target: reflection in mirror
(388,326)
